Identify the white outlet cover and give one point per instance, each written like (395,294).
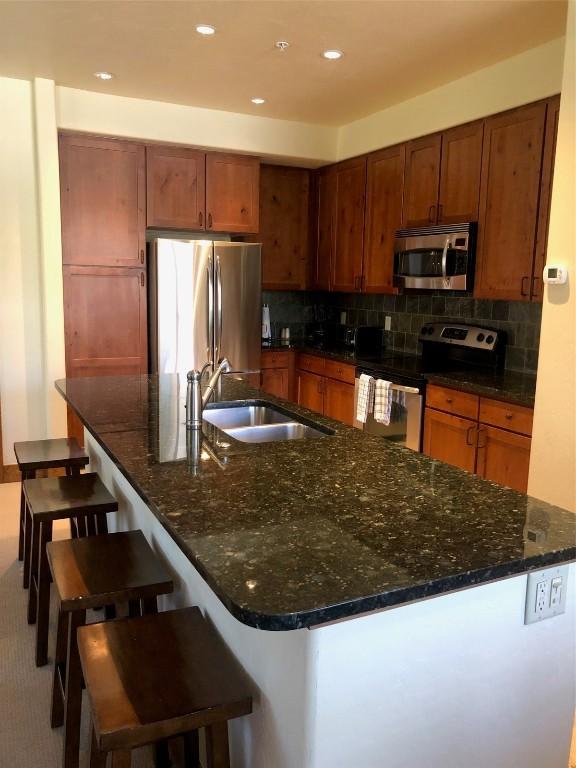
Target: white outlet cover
(531,614)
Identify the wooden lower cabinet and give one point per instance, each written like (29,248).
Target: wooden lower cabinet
(450,438)
(503,457)
(339,401)
(274,381)
(310,391)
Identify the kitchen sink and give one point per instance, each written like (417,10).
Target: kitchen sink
(261,424)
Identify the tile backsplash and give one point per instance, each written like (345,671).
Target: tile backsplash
(301,311)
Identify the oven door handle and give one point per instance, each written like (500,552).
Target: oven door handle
(408,390)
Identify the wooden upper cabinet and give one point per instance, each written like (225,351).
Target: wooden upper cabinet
(460,169)
(103,194)
(175,187)
(232,192)
(349,225)
(552,111)
(284,226)
(422,181)
(326,205)
(509,194)
(385,184)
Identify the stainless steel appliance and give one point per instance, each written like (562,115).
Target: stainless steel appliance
(204,305)
(435,258)
(459,349)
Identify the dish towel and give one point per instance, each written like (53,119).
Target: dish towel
(382,401)
(365,403)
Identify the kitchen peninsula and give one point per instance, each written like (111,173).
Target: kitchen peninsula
(313,539)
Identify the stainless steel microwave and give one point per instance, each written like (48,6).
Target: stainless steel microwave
(435,258)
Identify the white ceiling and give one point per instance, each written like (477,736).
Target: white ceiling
(394,49)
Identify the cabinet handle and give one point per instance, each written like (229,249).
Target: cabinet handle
(509,416)
(142,279)
(533,290)
(142,256)
(431,214)
(200,217)
(482,430)
(523,290)
(209,221)
(469,440)
(440,208)
(319,387)
(449,400)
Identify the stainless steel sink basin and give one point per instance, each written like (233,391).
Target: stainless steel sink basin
(261,424)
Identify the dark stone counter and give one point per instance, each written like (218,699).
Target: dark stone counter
(297,533)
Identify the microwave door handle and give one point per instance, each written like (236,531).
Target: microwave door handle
(445,259)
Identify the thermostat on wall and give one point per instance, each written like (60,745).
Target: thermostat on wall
(555,275)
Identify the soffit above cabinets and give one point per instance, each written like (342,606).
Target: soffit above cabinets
(393,49)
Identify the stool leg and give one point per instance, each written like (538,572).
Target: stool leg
(109,612)
(161,755)
(27,536)
(59,676)
(121,759)
(101,523)
(191,750)
(43,609)
(217,750)
(22,519)
(149,605)
(134,608)
(73,697)
(97,757)
(90,525)
(33,568)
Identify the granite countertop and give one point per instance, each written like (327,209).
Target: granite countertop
(510,386)
(297,533)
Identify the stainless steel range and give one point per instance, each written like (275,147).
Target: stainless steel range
(446,347)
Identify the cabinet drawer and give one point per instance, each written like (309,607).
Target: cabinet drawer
(516,418)
(452,401)
(274,359)
(312,363)
(340,371)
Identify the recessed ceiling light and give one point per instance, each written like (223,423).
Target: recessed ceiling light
(282,45)
(205,29)
(103,75)
(258,100)
(332,54)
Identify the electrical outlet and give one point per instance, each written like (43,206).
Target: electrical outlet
(545,594)
(387,323)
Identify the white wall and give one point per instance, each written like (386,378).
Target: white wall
(553,457)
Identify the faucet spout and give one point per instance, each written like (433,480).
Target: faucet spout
(195,400)
(224,367)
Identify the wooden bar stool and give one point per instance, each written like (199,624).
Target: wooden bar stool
(159,676)
(87,573)
(83,497)
(33,456)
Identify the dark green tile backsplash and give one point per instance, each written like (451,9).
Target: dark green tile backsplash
(303,310)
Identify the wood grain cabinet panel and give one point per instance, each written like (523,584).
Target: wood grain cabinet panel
(275,382)
(274,358)
(175,187)
(452,401)
(339,401)
(326,206)
(103,194)
(503,457)
(510,416)
(460,169)
(450,438)
(349,225)
(340,371)
(384,191)
(422,180)
(232,192)
(311,391)
(284,226)
(509,195)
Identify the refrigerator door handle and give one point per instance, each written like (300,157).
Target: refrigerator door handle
(210,314)
(218,337)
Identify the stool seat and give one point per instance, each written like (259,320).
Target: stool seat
(101,570)
(55,498)
(157,676)
(49,454)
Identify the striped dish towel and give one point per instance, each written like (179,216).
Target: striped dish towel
(365,403)
(382,401)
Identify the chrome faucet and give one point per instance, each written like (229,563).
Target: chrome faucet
(195,400)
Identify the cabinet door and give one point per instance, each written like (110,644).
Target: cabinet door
(326,193)
(175,187)
(509,192)
(385,186)
(460,173)
(284,226)
(349,225)
(503,457)
(422,180)
(275,382)
(450,438)
(102,193)
(232,192)
(105,321)
(339,401)
(311,391)
(552,110)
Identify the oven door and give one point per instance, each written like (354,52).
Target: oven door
(405,426)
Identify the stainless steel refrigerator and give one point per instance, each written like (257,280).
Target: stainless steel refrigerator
(204,304)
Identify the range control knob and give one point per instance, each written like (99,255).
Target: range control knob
(480,337)
(489,339)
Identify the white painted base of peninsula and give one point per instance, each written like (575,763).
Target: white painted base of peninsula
(456,681)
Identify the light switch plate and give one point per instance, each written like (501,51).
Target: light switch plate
(546,593)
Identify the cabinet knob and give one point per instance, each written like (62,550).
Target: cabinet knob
(449,400)
(524,282)
(432,214)
(509,416)
(200,217)
(209,221)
